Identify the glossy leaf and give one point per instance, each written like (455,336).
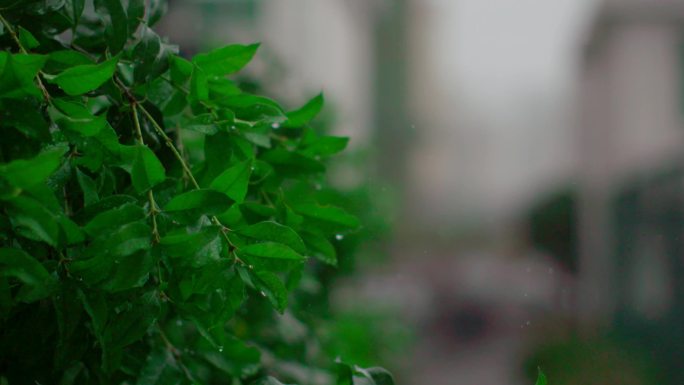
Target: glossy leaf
(234,181)
(226,60)
(147,171)
(85,78)
(191,205)
(274,232)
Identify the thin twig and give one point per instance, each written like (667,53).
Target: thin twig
(169,143)
(150,194)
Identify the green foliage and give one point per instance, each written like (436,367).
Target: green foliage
(159,225)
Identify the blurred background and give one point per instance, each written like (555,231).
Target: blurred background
(524,164)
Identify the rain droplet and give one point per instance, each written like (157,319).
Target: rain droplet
(318,186)
(220,348)
(233,127)
(251,267)
(117,261)
(528,323)
(179,322)
(275,125)
(262,293)
(339,237)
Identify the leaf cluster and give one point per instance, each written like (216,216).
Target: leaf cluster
(156,219)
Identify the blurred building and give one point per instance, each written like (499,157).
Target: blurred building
(631,177)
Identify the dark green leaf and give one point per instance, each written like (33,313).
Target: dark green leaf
(191,205)
(125,240)
(147,171)
(32,220)
(108,221)
(85,78)
(234,181)
(272,288)
(78,118)
(115,20)
(88,187)
(271,250)
(24,174)
(17,74)
(37,283)
(320,248)
(196,249)
(27,39)
(330,215)
(274,232)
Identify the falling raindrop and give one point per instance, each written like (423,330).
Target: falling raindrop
(528,323)
(339,237)
(275,125)
(262,293)
(179,322)
(220,348)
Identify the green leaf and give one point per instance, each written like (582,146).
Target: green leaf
(226,60)
(272,288)
(199,85)
(115,21)
(37,283)
(147,171)
(77,7)
(160,368)
(78,118)
(125,240)
(320,248)
(271,250)
(235,358)
(17,74)
(27,39)
(541,377)
(196,249)
(306,113)
(27,173)
(88,187)
(234,181)
(59,61)
(274,232)
(191,205)
(32,220)
(332,216)
(325,146)
(108,221)
(203,123)
(85,78)
(181,69)
(150,56)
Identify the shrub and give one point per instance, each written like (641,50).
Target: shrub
(155,217)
